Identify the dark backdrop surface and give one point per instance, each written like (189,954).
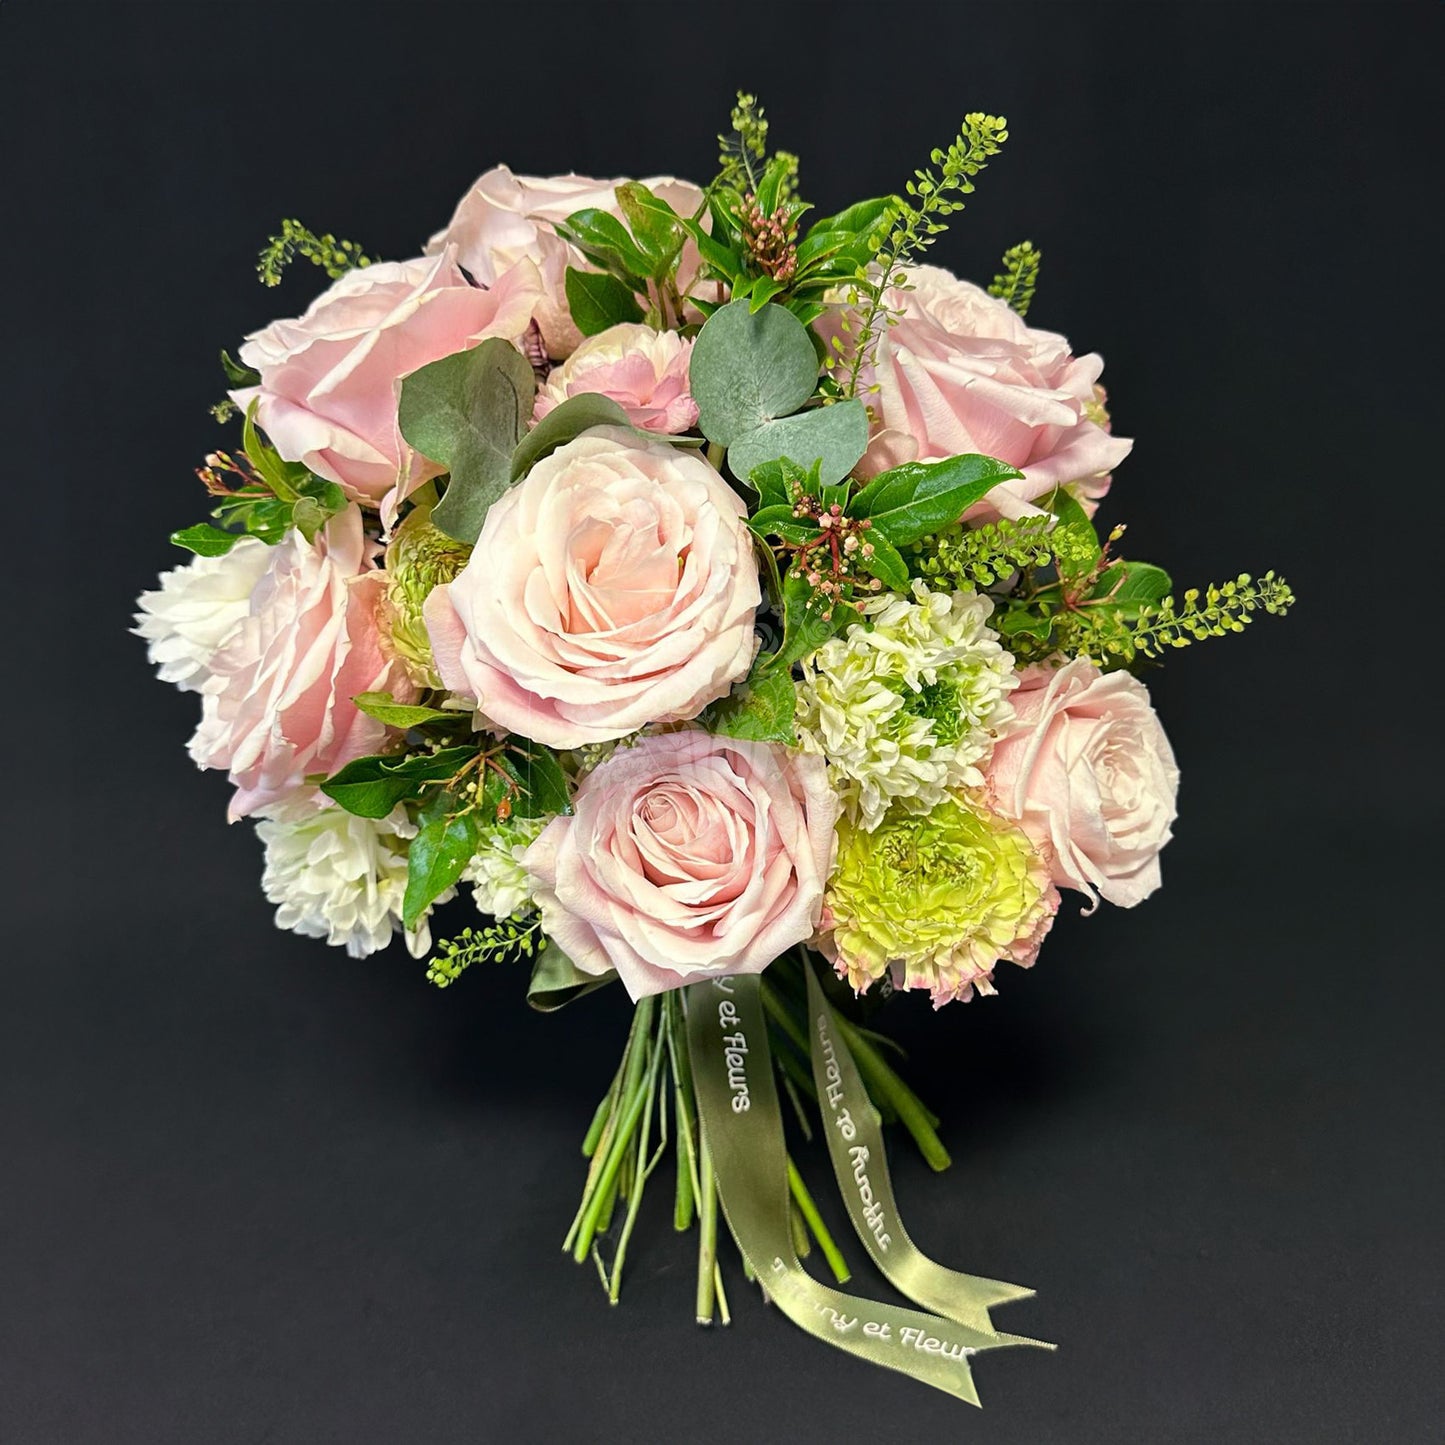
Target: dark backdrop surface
(254,1191)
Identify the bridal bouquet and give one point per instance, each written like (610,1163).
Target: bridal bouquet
(712,595)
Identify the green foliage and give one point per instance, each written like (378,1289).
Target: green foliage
(1016,283)
(741,152)
(540,786)
(639,255)
(383,708)
(447,835)
(371,787)
(260,495)
(761,708)
(910,501)
(597,301)
(504,940)
(468,412)
(556,981)
(913,223)
(333,256)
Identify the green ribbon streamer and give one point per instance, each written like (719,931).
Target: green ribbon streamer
(855,1144)
(737,1104)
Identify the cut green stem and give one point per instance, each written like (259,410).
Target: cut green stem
(809,1210)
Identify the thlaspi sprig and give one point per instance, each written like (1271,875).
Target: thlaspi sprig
(915,221)
(504,940)
(1016,282)
(334,257)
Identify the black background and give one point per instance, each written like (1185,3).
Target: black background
(255,1191)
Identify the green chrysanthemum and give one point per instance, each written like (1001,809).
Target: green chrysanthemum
(938,898)
(419,558)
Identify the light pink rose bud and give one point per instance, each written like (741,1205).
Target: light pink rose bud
(613,587)
(688,856)
(331,379)
(506,218)
(961,372)
(1087,771)
(277,705)
(642,370)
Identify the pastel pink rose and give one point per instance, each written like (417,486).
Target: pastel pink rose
(688,856)
(507,218)
(277,705)
(613,587)
(1086,770)
(331,379)
(642,370)
(961,372)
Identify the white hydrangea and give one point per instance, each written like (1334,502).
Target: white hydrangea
(501,886)
(339,877)
(905,707)
(196,609)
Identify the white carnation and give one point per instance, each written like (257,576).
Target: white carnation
(339,877)
(905,706)
(501,886)
(196,610)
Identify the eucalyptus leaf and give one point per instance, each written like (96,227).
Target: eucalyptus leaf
(556,981)
(747,369)
(597,301)
(563,424)
(384,708)
(371,787)
(910,501)
(833,438)
(467,412)
(445,841)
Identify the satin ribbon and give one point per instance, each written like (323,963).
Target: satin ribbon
(855,1144)
(737,1104)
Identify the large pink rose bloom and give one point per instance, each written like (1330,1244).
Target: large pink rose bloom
(642,370)
(1088,773)
(278,703)
(961,372)
(688,856)
(506,218)
(331,379)
(614,587)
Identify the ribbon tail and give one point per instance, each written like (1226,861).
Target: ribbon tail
(855,1145)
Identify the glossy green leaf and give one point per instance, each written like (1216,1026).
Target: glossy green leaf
(805,629)
(205,540)
(541,784)
(384,708)
(759,708)
(446,839)
(237,374)
(1128,584)
(602,238)
(597,301)
(264,458)
(917,498)
(467,413)
(885,563)
(371,787)
(1065,506)
(655,226)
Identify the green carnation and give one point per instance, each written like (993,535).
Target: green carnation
(938,898)
(419,558)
